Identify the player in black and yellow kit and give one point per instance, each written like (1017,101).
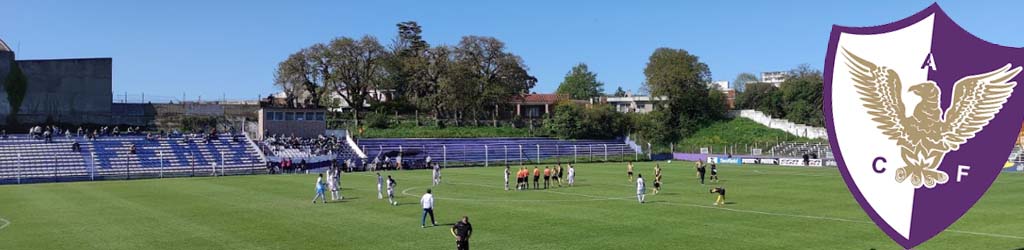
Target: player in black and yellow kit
(714,173)
(721,195)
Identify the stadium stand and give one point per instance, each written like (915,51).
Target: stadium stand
(797,149)
(27,160)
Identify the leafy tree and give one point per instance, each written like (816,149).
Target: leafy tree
(407,68)
(802,96)
(356,69)
(683,79)
(295,77)
(495,75)
(742,80)
(580,83)
(575,121)
(761,97)
(619,92)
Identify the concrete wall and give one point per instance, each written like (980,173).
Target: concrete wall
(65,90)
(785,125)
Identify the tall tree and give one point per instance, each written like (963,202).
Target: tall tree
(580,83)
(802,96)
(408,68)
(683,79)
(294,77)
(357,69)
(619,92)
(496,75)
(763,97)
(740,84)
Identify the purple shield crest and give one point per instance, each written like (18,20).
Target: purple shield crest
(921,116)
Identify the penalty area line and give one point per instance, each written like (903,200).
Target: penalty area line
(5,223)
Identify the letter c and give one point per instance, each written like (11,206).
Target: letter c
(874,165)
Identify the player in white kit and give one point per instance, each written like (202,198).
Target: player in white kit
(572,175)
(506,176)
(391,191)
(640,188)
(380,184)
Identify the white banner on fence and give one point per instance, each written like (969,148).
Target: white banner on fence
(756,151)
(814,162)
(791,162)
(705,151)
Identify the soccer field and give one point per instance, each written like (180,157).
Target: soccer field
(769,207)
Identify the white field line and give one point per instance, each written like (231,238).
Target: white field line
(5,223)
(801,216)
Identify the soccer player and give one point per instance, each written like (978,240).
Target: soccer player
(640,188)
(657,178)
(391,191)
(380,184)
(438,166)
(332,183)
(560,175)
(521,177)
(547,177)
(320,189)
(536,178)
(714,172)
(462,230)
(436,177)
(629,170)
(572,175)
(721,195)
(701,169)
(428,208)
(506,177)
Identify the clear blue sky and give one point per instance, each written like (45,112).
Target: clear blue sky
(215,48)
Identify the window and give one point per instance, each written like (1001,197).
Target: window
(289,116)
(533,112)
(279,115)
(268,116)
(310,116)
(299,116)
(319,116)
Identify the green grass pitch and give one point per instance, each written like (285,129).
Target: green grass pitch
(770,207)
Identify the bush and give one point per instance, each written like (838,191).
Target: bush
(574,121)
(195,123)
(375,120)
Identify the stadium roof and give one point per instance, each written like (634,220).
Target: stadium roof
(4,47)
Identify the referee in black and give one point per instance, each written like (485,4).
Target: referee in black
(462,230)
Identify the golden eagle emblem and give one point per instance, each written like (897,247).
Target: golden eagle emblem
(928,134)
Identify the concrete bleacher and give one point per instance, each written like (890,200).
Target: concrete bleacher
(798,149)
(25,160)
(484,151)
